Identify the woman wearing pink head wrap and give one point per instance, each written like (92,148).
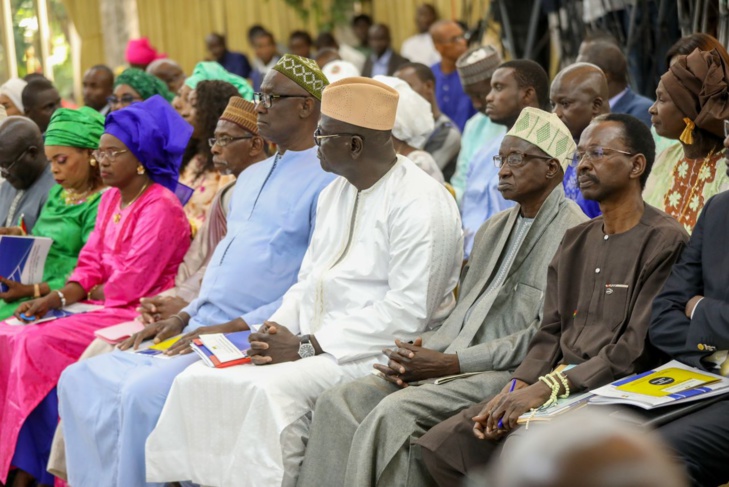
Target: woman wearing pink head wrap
(140,53)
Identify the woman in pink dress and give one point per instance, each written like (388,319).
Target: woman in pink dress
(139,240)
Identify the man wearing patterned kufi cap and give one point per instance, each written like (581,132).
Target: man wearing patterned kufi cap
(362,431)
(598,292)
(269,226)
(383,261)
(475,68)
(517,84)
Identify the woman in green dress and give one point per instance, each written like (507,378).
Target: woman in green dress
(69,214)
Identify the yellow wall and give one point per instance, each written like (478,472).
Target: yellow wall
(178,27)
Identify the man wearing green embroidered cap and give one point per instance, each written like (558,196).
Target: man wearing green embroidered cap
(134,85)
(69,213)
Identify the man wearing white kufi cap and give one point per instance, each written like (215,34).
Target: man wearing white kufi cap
(383,261)
(362,431)
(413,125)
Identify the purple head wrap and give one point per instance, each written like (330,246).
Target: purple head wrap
(154,132)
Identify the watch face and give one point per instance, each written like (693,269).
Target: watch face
(306,350)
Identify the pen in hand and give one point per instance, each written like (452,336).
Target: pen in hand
(511,389)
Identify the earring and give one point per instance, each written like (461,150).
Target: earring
(92,162)
(140,169)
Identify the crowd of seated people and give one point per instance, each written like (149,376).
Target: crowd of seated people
(420,248)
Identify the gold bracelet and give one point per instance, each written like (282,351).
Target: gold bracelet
(91,291)
(36,291)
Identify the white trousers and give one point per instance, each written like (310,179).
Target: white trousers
(244,425)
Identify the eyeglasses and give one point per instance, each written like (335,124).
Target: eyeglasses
(5,171)
(110,154)
(453,39)
(126,99)
(266,99)
(223,141)
(515,159)
(594,154)
(318,137)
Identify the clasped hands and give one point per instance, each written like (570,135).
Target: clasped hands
(411,362)
(162,330)
(507,407)
(272,344)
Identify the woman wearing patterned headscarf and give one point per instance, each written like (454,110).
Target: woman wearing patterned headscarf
(692,102)
(139,240)
(69,214)
(135,85)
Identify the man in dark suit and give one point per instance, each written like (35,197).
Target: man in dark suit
(383,60)
(607,56)
(691,323)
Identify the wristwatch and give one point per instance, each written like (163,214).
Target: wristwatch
(306,349)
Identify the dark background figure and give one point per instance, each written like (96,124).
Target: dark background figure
(98,85)
(608,56)
(40,99)
(264,45)
(361,26)
(383,60)
(300,43)
(235,62)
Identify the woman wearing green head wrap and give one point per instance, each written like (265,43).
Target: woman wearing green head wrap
(69,214)
(134,85)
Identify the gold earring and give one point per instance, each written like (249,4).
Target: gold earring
(92,162)
(140,169)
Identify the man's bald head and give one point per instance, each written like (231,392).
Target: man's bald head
(326,55)
(448,39)
(594,450)
(578,94)
(607,56)
(21,151)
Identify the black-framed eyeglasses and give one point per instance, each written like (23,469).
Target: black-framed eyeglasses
(126,99)
(225,140)
(110,154)
(318,137)
(595,154)
(515,159)
(266,99)
(5,170)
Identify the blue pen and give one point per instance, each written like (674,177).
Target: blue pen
(511,389)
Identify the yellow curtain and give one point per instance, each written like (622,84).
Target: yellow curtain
(179,27)
(86,17)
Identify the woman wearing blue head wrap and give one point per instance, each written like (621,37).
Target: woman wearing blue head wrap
(140,238)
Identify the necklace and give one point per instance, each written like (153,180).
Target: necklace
(687,201)
(117,216)
(71,197)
